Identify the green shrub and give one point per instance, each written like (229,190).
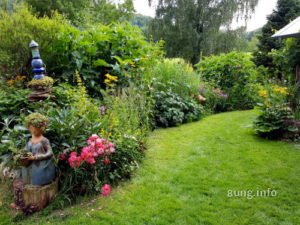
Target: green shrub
(117,49)
(12,102)
(274,122)
(129,111)
(13,136)
(173,86)
(99,52)
(276,119)
(177,72)
(215,99)
(17,30)
(172,109)
(122,117)
(235,74)
(68,130)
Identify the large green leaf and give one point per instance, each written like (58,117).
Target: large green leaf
(101,62)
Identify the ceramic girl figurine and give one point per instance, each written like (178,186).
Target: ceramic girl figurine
(41,171)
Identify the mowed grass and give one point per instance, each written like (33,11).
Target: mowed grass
(186,177)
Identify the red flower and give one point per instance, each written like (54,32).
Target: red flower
(106,161)
(105,190)
(62,156)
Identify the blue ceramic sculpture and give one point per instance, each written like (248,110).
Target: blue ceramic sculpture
(41,170)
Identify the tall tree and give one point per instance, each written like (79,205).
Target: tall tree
(142,22)
(79,11)
(286,11)
(73,10)
(191,26)
(106,11)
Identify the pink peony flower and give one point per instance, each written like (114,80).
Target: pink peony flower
(100,151)
(98,141)
(74,160)
(97,147)
(105,190)
(94,137)
(112,149)
(90,160)
(111,145)
(87,155)
(73,154)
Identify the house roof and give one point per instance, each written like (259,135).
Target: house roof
(290,30)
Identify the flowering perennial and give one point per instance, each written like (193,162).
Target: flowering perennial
(97,148)
(105,190)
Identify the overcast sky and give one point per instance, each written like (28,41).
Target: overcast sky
(259,18)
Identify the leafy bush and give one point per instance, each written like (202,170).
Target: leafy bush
(276,118)
(173,87)
(13,136)
(68,130)
(235,74)
(274,122)
(12,102)
(215,99)
(17,30)
(129,111)
(286,59)
(116,49)
(171,109)
(122,118)
(177,72)
(100,52)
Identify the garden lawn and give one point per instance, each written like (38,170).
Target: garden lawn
(186,177)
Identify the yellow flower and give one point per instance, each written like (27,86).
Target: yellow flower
(107,81)
(263,93)
(110,79)
(10,82)
(280,90)
(20,78)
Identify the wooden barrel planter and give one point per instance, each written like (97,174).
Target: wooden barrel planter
(30,198)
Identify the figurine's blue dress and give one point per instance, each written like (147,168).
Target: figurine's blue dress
(42,170)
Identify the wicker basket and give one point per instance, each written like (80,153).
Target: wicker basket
(24,161)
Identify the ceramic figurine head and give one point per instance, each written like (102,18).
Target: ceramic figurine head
(36,123)
(36,131)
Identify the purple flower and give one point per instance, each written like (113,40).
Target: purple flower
(102,109)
